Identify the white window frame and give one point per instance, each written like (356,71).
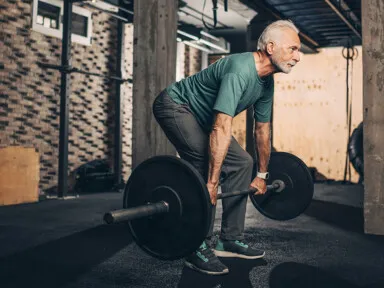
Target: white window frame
(58,33)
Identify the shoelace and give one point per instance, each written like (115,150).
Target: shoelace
(207,252)
(242,243)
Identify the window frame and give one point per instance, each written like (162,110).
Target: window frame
(58,33)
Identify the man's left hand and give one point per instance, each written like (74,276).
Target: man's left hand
(260,185)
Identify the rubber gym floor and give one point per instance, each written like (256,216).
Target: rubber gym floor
(64,243)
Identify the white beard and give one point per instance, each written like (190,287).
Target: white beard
(284,67)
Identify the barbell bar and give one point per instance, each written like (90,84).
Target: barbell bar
(151,209)
(168,208)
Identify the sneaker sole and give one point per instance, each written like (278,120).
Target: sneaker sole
(219,253)
(193,267)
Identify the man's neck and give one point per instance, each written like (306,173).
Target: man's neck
(264,66)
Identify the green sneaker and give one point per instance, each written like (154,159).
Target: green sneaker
(205,261)
(237,249)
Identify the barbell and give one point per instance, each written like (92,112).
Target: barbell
(168,207)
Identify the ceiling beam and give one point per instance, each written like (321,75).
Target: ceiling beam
(339,13)
(297,2)
(261,7)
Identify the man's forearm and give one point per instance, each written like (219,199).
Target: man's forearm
(263,145)
(219,141)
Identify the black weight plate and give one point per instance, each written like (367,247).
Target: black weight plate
(298,192)
(181,231)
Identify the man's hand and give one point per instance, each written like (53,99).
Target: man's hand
(260,185)
(212,189)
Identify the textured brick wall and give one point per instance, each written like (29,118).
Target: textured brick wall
(127,103)
(192,60)
(180,61)
(30,96)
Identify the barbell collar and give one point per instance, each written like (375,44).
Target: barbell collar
(129,214)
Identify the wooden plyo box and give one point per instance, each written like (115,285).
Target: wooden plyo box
(19,175)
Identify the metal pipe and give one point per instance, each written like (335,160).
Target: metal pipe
(339,33)
(70,69)
(296,2)
(332,29)
(205,15)
(118,107)
(108,12)
(65,91)
(314,23)
(121,8)
(115,78)
(303,17)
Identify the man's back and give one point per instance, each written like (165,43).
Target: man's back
(230,85)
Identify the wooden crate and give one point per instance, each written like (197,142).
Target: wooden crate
(19,175)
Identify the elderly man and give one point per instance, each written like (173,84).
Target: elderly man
(196,115)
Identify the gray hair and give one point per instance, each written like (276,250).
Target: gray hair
(268,33)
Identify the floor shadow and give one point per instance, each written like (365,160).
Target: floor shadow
(343,216)
(239,270)
(59,262)
(316,175)
(294,275)
(376,285)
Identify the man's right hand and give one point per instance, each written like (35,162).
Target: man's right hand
(260,185)
(212,189)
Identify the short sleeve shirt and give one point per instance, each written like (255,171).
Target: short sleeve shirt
(230,86)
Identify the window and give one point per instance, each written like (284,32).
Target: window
(48,15)
(79,25)
(47,19)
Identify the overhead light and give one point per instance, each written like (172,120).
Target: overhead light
(213,45)
(188,35)
(202,48)
(194,45)
(205,42)
(209,35)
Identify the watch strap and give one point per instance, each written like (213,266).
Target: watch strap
(262,175)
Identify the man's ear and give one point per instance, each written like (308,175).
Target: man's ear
(270,48)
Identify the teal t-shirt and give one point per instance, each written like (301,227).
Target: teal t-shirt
(230,86)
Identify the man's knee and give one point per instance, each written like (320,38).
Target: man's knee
(247,162)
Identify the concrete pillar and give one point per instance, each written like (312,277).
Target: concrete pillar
(154,68)
(373,103)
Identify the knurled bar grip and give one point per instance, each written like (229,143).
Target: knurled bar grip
(136,212)
(270,188)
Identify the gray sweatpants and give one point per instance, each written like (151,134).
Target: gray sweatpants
(191,142)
